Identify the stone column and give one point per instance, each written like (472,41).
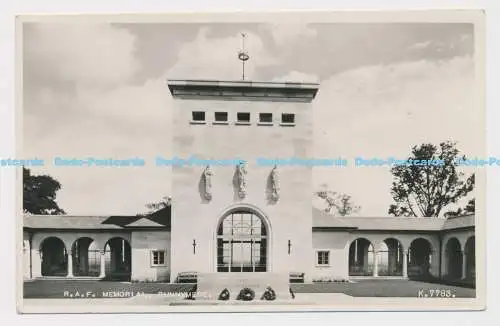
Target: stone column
(375,263)
(36,263)
(464,265)
(405,264)
(70,264)
(102,272)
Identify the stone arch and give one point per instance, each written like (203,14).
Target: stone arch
(470,258)
(53,257)
(86,257)
(453,258)
(242,240)
(390,259)
(118,259)
(420,258)
(361,257)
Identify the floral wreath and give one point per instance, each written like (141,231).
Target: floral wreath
(224,295)
(269,294)
(246,294)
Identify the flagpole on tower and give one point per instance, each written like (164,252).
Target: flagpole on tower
(243,55)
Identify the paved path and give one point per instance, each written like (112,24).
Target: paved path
(364,288)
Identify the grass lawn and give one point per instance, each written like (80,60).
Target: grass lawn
(362,288)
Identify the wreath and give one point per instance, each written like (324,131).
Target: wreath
(224,295)
(246,294)
(269,294)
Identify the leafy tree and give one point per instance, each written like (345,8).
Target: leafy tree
(337,203)
(426,190)
(39,194)
(470,208)
(156,206)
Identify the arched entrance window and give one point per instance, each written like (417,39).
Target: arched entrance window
(470,259)
(86,257)
(118,259)
(391,258)
(454,258)
(54,257)
(361,258)
(419,258)
(242,240)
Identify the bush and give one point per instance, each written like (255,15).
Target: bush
(246,294)
(326,279)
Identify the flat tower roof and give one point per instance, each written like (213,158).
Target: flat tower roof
(243,90)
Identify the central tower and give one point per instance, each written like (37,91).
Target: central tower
(234,209)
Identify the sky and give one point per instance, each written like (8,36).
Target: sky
(99,90)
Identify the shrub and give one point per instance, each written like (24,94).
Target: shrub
(246,294)
(326,279)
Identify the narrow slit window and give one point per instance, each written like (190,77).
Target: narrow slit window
(243,117)
(266,117)
(288,118)
(199,116)
(220,116)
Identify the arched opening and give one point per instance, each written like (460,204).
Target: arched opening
(86,257)
(118,260)
(419,258)
(391,258)
(453,254)
(470,258)
(361,258)
(54,257)
(242,241)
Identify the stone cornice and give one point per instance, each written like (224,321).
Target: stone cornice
(243,90)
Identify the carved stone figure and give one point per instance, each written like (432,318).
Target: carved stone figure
(275,186)
(242,179)
(207,175)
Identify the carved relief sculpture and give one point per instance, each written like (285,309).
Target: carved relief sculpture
(242,179)
(207,175)
(275,186)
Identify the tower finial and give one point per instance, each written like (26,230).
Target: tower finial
(243,55)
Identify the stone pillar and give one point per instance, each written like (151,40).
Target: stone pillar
(70,264)
(405,264)
(102,272)
(464,265)
(375,263)
(36,263)
(365,256)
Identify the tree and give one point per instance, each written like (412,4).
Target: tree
(164,202)
(338,203)
(470,208)
(39,194)
(425,190)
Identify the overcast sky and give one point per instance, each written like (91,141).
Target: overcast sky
(99,90)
